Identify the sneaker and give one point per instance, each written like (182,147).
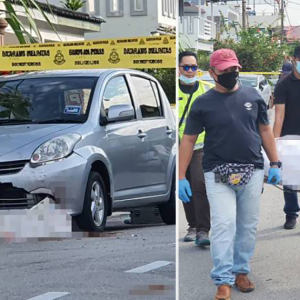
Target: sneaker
(191,235)
(290,223)
(202,239)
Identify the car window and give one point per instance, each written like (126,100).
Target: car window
(157,95)
(116,92)
(248,81)
(148,101)
(44,99)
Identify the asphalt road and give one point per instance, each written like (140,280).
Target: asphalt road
(275,265)
(102,267)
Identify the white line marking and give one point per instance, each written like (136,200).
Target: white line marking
(49,296)
(149,267)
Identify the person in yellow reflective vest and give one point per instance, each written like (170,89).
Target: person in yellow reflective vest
(197,210)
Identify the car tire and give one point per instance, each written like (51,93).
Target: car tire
(168,209)
(94,213)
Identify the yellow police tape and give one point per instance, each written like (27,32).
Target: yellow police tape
(247,73)
(261,73)
(141,52)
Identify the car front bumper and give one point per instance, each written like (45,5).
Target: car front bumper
(64,180)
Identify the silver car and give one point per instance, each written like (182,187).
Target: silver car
(95,141)
(260,83)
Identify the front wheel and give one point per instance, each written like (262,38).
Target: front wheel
(168,209)
(94,213)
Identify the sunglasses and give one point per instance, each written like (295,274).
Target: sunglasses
(187,68)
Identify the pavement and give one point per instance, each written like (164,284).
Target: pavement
(129,262)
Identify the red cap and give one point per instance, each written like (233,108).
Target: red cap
(223,59)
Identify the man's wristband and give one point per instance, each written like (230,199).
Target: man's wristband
(276,163)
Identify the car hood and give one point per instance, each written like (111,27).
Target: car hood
(18,142)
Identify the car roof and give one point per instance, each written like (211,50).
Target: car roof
(250,75)
(66,73)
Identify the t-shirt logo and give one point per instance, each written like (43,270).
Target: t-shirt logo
(248,105)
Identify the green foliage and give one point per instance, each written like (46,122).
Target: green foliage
(167,79)
(19,28)
(14,105)
(256,50)
(73,4)
(203,60)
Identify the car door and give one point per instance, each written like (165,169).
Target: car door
(125,143)
(160,133)
(267,90)
(263,89)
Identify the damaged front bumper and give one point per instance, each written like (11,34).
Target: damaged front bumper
(64,181)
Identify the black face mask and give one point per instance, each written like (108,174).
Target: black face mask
(228,80)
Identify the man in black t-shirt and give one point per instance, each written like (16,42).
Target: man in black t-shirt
(235,120)
(287,122)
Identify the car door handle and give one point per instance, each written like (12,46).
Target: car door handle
(169,131)
(142,134)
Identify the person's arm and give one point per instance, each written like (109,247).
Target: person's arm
(193,127)
(279,118)
(268,142)
(280,97)
(185,153)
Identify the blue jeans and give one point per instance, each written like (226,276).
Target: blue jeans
(291,206)
(234,217)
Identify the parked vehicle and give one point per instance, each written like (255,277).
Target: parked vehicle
(259,82)
(273,79)
(95,141)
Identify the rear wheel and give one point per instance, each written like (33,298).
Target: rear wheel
(94,213)
(168,209)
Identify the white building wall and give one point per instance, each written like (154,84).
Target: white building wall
(53,2)
(229,13)
(167,12)
(264,21)
(68,29)
(126,25)
(197,32)
(130,26)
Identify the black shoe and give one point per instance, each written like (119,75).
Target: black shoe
(290,223)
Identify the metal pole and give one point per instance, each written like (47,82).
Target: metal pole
(244,14)
(282,21)
(212,11)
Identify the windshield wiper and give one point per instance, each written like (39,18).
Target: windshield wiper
(57,121)
(15,121)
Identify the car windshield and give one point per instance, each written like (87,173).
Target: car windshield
(248,81)
(43,100)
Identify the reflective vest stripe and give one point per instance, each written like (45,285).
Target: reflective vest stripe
(183,99)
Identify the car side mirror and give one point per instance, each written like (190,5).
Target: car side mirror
(120,112)
(261,86)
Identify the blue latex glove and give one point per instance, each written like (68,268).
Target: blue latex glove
(274,176)
(184,190)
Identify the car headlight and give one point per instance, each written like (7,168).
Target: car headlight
(54,149)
